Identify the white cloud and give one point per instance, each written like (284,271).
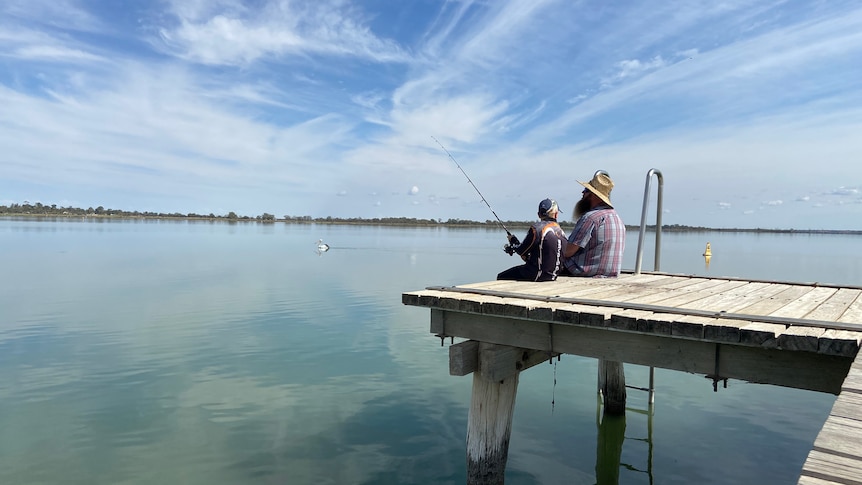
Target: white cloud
(773,202)
(279,101)
(843,191)
(228,33)
(634,67)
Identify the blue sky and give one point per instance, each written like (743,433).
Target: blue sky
(751,110)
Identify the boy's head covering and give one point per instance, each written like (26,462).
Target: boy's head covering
(601,185)
(546,206)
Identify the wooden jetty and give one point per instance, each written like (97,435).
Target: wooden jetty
(800,335)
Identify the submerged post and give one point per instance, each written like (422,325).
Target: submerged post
(489,428)
(612,385)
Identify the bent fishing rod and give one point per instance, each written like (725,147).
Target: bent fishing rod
(474,186)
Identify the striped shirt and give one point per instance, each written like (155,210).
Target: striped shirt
(601,236)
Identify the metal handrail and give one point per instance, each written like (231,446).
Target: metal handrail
(640,254)
(639,259)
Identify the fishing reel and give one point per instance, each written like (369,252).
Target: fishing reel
(513,244)
(509,249)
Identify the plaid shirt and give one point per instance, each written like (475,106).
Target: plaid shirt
(601,236)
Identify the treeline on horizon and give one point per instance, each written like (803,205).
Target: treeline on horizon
(41,210)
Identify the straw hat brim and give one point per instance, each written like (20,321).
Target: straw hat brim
(600,195)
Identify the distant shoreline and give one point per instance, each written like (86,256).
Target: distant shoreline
(48,213)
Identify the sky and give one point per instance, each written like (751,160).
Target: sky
(750,111)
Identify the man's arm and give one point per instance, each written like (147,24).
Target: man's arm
(523,249)
(581,229)
(569,249)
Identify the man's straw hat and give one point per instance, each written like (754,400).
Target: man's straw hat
(601,185)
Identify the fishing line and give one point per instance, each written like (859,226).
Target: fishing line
(474,186)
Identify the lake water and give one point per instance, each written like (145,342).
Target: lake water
(214,353)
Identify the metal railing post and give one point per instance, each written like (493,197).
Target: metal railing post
(639,258)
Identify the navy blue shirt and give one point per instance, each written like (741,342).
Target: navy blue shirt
(542,249)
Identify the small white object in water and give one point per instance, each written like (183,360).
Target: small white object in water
(322,246)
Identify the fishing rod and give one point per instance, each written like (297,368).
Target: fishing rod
(474,186)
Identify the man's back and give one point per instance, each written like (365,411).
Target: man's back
(601,236)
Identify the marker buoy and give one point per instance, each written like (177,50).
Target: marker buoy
(708,251)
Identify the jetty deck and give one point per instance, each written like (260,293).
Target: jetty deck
(800,335)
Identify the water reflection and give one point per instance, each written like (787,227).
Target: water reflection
(610,441)
(609,449)
(230,353)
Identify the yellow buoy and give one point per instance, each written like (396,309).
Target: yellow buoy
(708,251)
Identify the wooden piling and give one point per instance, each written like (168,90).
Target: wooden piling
(612,385)
(489,428)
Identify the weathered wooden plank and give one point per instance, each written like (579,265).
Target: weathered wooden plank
(801,370)
(724,330)
(805,303)
(682,285)
(582,315)
(835,305)
(690,326)
(628,319)
(679,296)
(630,289)
(658,323)
(705,294)
(420,298)
(805,480)
(463,358)
(853,313)
(499,362)
(441,299)
(491,285)
(839,342)
(848,405)
(768,305)
(760,334)
(733,299)
(835,468)
(853,381)
(800,338)
(778,367)
(842,435)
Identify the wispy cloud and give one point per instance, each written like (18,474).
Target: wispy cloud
(206,104)
(231,33)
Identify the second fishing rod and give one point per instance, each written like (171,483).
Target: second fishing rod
(509,248)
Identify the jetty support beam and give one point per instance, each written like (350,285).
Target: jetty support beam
(495,369)
(496,361)
(489,428)
(612,385)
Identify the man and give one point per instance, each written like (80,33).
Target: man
(541,250)
(595,246)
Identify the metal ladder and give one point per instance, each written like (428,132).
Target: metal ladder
(639,259)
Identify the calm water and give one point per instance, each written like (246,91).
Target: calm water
(209,353)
